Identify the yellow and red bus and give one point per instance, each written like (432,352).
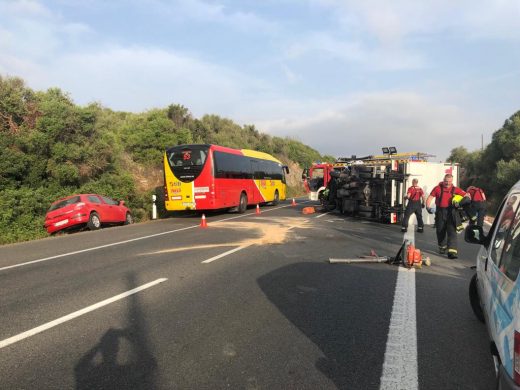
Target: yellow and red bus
(209,177)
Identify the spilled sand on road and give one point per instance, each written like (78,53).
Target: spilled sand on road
(267,233)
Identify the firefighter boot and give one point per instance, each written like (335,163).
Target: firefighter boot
(442,249)
(404,230)
(452,254)
(420,229)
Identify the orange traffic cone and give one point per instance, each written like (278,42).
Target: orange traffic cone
(257,209)
(293,202)
(203,223)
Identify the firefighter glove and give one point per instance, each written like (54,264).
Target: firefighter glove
(429,210)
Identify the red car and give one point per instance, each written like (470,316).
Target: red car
(90,210)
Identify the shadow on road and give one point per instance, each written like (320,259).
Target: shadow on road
(122,358)
(342,309)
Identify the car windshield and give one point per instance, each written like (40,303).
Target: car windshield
(65,202)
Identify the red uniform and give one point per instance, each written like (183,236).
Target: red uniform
(445,218)
(478,205)
(477,195)
(415,193)
(443,195)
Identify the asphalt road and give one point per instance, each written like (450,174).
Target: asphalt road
(156,306)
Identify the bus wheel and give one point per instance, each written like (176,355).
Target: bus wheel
(94,222)
(276,198)
(242,205)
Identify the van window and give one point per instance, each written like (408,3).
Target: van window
(503,228)
(510,261)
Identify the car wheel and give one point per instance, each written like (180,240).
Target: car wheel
(242,205)
(128,219)
(474,299)
(94,222)
(276,198)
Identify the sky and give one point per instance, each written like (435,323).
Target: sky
(342,76)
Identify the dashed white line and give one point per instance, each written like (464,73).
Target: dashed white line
(321,215)
(126,241)
(224,254)
(48,325)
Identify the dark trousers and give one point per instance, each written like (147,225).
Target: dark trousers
(478,210)
(445,225)
(414,206)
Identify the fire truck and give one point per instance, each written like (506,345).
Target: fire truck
(374,187)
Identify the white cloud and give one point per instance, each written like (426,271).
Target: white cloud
(391,22)
(371,58)
(363,123)
(138,78)
(202,11)
(25,8)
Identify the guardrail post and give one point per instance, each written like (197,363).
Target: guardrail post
(154,207)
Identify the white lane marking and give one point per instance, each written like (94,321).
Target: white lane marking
(95,248)
(48,325)
(410,234)
(400,365)
(126,241)
(224,254)
(235,250)
(319,216)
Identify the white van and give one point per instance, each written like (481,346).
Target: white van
(495,288)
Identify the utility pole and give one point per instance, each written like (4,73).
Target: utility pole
(482,141)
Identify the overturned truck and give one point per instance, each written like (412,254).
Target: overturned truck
(374,187)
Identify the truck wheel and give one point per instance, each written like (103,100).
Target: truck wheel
(474,299)
(242,205)
(94,223)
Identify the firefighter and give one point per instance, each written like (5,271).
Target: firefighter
(461,205)
(445,219)
(478,205)
(416,201)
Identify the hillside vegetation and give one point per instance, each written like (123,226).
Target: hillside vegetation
(495,168)
(51,147)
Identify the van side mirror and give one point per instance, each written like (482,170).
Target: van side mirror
(286,168)
(121,203)
(475,235)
